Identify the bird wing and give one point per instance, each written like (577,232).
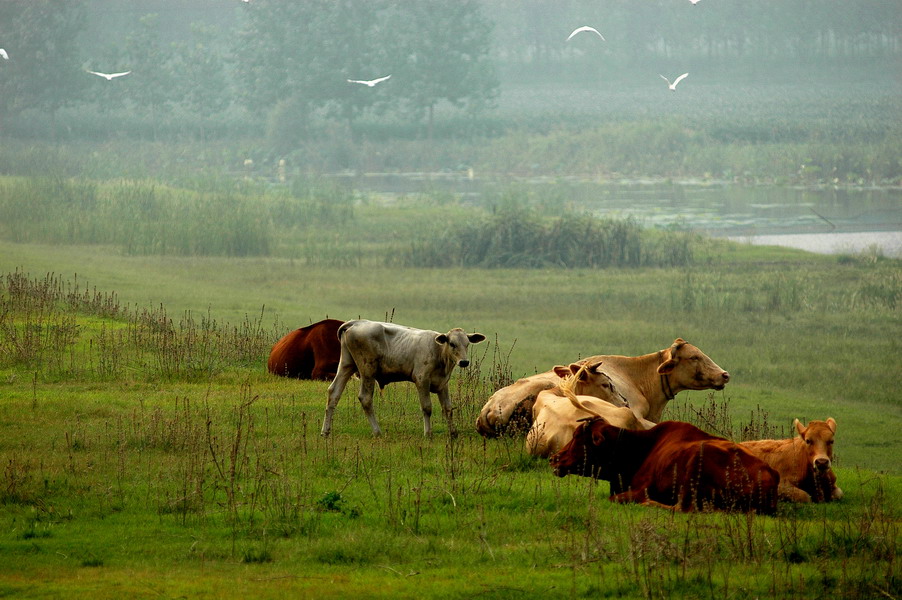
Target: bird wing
(357,81)
(98,74)
(4,54)
(120,74)
(664,78)
(584,28)
(375,81)
(679,79)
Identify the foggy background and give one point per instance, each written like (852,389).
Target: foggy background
(213,69)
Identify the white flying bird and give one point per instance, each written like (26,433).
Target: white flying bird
(694,2)
(673,85)
(109,76)
(371,82)
(585,28)
(3,54)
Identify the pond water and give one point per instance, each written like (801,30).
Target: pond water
(824,220)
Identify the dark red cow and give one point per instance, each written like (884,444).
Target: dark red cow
(675,465)
(311,352)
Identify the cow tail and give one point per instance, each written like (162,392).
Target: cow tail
(567,386)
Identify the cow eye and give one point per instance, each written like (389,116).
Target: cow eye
(830,443)
(808,442)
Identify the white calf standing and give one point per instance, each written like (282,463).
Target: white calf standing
(385,352)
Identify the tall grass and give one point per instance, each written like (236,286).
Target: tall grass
(516,238)
(43,326)
(145,217)
(224,467)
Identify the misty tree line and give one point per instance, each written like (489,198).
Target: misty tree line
(289,61)
(293,58)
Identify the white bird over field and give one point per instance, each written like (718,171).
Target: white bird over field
(371,82)
(673,85)
(3,54)
(585,28)
(694,2)
(109,76)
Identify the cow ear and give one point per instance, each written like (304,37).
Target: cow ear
(831,423)
(667,366)
(799,427)
(597,431)
(475,338)
(574,368)
(593,367)
(561,371)
(441,338)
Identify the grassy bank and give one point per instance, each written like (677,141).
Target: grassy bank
(145,481)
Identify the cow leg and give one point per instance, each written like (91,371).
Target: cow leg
(630,496)
(426,407)
(788,491)
(445,399)
(367,386)
(346,370)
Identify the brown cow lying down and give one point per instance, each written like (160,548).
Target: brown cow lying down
(675,465)
(584,391)
(646,382)
(311,352)
(804,462)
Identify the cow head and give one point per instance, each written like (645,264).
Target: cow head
(818,438)
(688,368)
(455,344)
(589,380)
(588,453)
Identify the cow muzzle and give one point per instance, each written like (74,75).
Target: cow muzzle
(724,380)
(463,363)
(822,463)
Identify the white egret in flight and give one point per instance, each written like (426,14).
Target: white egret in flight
(585,28)
(371,82)
(673,85)
(109,76)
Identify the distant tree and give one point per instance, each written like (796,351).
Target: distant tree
(278,60)
(43,71)
(151,84)
(296,58)
(301,54)
(445,52)
(199,71)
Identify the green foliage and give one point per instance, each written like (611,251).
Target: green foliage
(43,325)
(514,238)
(41,38)
(143,218)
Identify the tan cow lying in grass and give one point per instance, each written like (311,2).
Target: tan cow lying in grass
(584,391)
(647,383)
(804,462)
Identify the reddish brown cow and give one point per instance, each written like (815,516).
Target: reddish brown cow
(804,462)
(311,352)
(674,464)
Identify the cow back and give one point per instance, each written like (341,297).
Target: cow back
(310,352)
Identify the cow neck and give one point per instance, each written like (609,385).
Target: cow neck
(655,389)
(631,452)
(669,394)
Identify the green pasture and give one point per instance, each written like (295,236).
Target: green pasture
(146,452)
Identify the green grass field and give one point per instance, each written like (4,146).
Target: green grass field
(146,452)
